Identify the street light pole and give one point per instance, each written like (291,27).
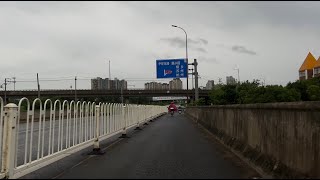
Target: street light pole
(186,59)
(5,91)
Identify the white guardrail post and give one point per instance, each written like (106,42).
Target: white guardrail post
(9,139)
(96,143)
(124,116)
(137,115)
(145,113)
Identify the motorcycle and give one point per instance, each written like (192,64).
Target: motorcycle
(171,111)
(180,111)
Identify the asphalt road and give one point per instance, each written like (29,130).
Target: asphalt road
(170,147)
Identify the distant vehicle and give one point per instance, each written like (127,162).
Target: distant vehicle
(172,111)
(180,109)
(172,108)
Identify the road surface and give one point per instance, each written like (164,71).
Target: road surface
(170,147)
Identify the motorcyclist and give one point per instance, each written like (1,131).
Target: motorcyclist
(179,109)
(172,105)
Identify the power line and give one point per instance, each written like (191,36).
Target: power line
(44,80)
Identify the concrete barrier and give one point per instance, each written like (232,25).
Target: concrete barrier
(281,138)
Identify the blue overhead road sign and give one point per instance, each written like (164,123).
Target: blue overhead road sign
(172,68)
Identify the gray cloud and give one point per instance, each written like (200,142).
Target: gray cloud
(208,60)
(242,49)
(203,41)
(201,50)
(176,41)
(181,43)
(199,41)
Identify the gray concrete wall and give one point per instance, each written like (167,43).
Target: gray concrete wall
(282,138)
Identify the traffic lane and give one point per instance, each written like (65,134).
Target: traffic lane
(172,147)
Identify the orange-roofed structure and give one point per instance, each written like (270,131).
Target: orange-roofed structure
(306,69)
(316,69)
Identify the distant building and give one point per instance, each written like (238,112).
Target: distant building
(97,84)
(146,86)
(231,80)
(107,84)
(175,84)
(210,84)
(115,85)
(165,86)
(316,69)
(94,84)
(156,86)
(124,84)
(308,68)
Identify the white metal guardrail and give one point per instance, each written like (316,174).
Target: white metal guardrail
(60,129)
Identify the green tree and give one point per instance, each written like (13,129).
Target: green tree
(313,92)
(200,102)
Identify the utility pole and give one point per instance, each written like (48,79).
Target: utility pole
(192,77)
(121,95)
(38,86)
(238,76)
(5,91)
(14,83)
(75,89)
(109,71)
(196,79)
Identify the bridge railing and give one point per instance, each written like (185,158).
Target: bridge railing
(60,129)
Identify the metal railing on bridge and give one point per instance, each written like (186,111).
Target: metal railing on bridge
(53,130)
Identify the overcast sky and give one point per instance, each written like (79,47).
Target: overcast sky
(61,40)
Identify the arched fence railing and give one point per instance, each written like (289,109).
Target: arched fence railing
(33,135)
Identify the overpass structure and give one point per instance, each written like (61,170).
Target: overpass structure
(102,93)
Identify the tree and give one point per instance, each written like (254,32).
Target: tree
(313,92)
(217,96)
(200,102)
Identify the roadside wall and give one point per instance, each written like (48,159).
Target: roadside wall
(282,138)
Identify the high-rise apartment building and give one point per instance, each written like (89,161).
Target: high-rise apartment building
(175,84)
(107,84)
(156,86)
(231,80)
(210,84)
